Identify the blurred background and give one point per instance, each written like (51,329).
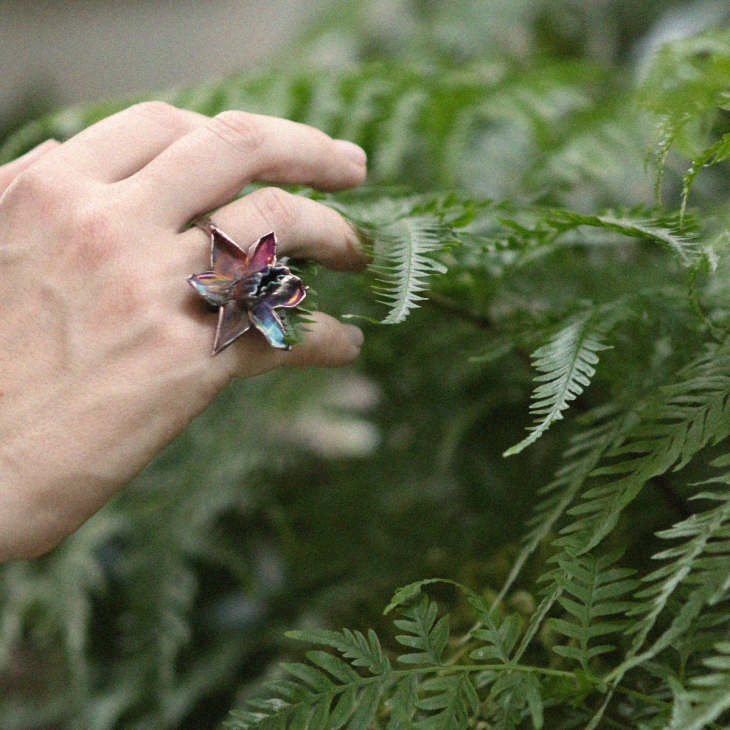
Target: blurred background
(59,52)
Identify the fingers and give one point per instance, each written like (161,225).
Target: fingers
(11,170)
(304,228)
(207,167)
(326,343)
(121,144)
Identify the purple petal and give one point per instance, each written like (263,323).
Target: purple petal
(214,288)
(262,253)
(267,321)
(226,257)
(232,323)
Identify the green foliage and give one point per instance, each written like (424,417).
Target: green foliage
(516,237)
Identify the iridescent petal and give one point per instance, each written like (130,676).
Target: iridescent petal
(287,292)
(268,322)
(226,258)
(232,323)
(262,253)
(214,288)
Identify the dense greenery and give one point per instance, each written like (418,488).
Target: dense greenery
(531,453)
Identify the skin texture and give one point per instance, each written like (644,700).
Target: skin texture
(104,347)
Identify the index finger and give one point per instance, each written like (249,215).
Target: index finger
(208,166)
(119,145)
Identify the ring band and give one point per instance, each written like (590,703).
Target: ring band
(247,286)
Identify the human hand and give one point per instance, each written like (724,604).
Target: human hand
(105,351)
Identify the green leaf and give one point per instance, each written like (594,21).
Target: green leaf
(567,365)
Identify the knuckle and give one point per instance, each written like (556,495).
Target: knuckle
(36,187)
(90,225)
(278,208)
(158,110)
(162,114)
(239,129)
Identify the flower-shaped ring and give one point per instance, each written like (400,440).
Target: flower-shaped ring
(247,286)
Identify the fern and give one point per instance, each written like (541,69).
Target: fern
(600,431)
(699,565)
(592,595)
(708,695)
(683,244)
(681,421)
(404,265)
(567,365)
(173,600)
(330,693)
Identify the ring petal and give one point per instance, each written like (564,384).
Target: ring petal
(268,322)
(233,321)
(262,253)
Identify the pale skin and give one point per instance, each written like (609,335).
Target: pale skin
(105,350)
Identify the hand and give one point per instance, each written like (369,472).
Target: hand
(105,350)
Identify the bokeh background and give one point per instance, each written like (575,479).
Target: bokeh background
(60,52)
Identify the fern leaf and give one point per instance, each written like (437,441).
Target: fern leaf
(685,246)
(363,651)
(715,153)
(424,633)
(402,704)
(708,695)
(500,640)
(403,263)
(366,707)
(453,700)
(701,560)
(567,365)
(593,595)
(601,428)
(669,431)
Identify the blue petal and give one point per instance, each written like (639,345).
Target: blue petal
(267,321)
(214,288)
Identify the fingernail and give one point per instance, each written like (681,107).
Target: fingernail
(353,152)
(356,336)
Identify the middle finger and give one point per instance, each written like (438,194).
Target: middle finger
(304,228)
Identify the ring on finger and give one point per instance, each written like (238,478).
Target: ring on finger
(247,285)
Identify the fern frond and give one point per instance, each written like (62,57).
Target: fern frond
(593,594)
(452,701)
(314,700)
(685,246)
(601,429)
(403,263)
(699,566)
(361,650)
(715,153)
(708,695)
(686,83)
(515,695)
(567,366)
(424,633)
(329,692)
(680,420)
